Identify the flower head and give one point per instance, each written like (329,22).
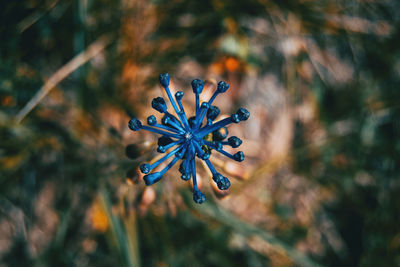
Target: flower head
(188,138)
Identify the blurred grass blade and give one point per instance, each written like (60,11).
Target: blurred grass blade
(124,234)
(35,16)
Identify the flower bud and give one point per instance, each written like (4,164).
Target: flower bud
(235,118)
(243,114)
(222,87)
(159,104)
(198,197)
(152,178)
(224,184)
(239,156)
(234,141)
(151,120)
(145,168)
(164,79)
(134,124)
(197,86)
(212,113)
(179,95)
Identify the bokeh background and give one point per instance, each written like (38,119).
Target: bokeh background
(320,183)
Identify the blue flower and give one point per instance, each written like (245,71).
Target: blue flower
(188,138)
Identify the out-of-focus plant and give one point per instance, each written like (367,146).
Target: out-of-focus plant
(320,182)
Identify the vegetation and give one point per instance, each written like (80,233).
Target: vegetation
(320,182)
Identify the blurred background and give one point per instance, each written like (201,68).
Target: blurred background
(320,183)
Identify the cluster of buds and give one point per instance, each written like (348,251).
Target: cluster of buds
(186,138)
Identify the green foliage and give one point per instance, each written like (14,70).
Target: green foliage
(332,199)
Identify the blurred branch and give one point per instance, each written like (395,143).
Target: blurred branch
(95,48)
(35,16)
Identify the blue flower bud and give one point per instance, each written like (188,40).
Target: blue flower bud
(220,134)
(185,140)
(185,176)
(205,105)
(224,184)
(134,124)
(145,168)
(217,177)
(151,120)
(218,145)
(212,113)
(165,120)
(159,104)
(179,95)
(198,197)
(164,141)
(161,149)
(197,86)
(239,156)
(164,79)
(222,87)
(235,118)
(243,114)
(152,178)
(234,141)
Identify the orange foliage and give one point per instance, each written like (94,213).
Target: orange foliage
(98,217)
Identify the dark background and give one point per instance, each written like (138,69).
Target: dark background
(320,182)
